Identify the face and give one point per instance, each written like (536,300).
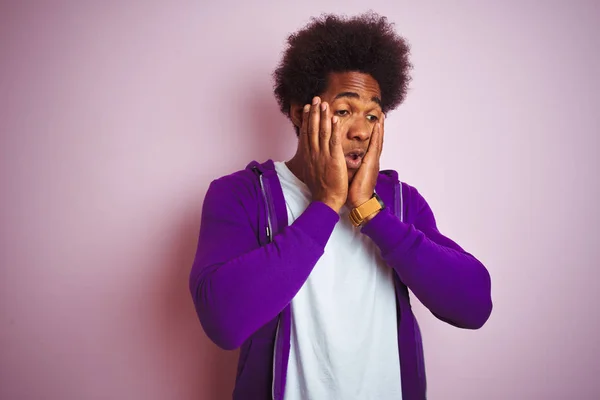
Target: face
(355,98)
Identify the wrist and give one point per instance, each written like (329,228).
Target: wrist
(356,204)
(332,204)
(370,217)
(358,201)
(365,211)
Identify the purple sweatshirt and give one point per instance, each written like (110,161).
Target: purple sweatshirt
(250,264)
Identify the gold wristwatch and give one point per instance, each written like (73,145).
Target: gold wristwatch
(359,214)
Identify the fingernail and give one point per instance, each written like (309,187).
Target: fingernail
(307,108)
(334,120)
(323,106)
(315,101)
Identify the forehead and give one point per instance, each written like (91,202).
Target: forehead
(355,82)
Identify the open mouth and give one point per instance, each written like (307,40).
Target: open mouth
(354,159)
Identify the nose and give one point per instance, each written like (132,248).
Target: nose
(360,129)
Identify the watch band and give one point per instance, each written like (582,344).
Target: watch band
(359,214)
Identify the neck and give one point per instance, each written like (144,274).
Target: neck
(295,166)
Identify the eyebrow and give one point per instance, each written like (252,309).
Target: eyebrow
(354,95)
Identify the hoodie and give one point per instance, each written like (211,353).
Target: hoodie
(250,263)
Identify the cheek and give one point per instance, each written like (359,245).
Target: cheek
(347,144)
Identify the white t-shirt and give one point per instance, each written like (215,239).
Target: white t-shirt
(344,342)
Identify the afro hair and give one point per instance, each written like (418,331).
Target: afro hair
(365,43)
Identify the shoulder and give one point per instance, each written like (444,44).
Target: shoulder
(411,200)
(240,185)
(410,194)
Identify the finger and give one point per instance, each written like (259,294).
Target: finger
(324,128)
(373,151)
(304,129)
(313,125)
(335,139)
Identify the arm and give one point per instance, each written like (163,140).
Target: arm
(450,282)
(238,286)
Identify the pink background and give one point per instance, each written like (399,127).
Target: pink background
(114,118)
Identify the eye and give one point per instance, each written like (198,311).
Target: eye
(372,118)
(342,113)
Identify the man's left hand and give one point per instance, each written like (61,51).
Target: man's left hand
(363,184)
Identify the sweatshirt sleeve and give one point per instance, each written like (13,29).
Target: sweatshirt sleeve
(450,282)
(237,285)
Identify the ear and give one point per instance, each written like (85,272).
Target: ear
(296,114)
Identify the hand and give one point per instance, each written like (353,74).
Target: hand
(320,143)
(363,184)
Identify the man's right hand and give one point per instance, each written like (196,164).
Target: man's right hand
(325,171)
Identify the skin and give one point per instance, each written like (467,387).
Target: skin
(340,141)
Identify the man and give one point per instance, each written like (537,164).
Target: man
(305,264)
